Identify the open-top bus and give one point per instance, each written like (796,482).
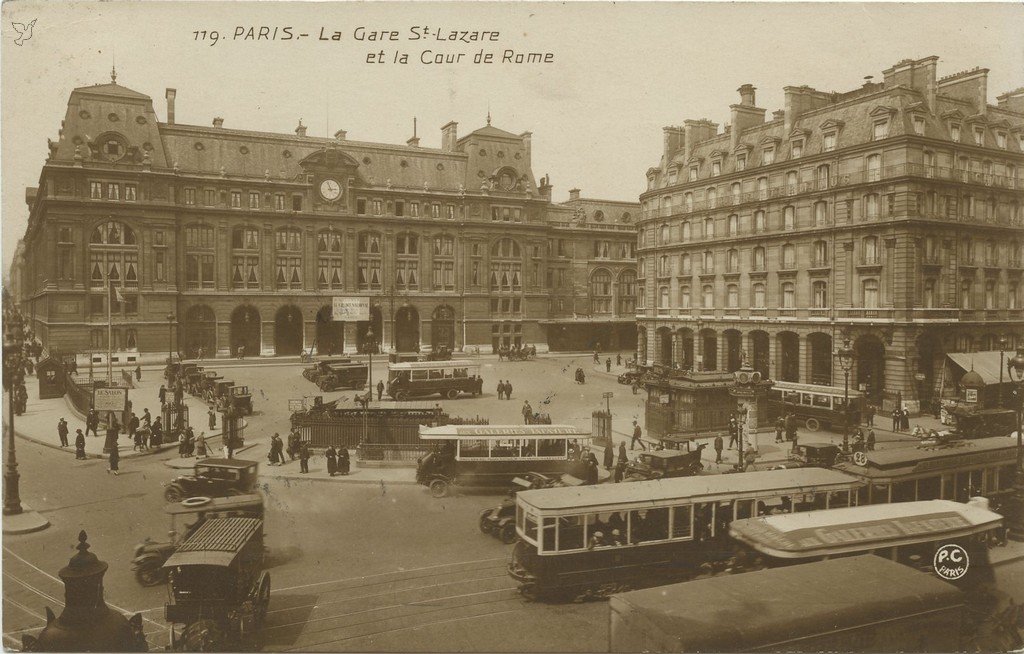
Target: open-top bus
(493,455)
(817,406)
(957,470)
(445,378)
(861,603)
(589,541)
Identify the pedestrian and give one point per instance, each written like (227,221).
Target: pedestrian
(508,389)
(733,432)
(597,357)
(618,359)
(332,460)
(294,443)
(780,429)
(622,453)
(133,425)
(592,474)
(113,459)
(147,419)
(871,440)
(718,448)
(527,412)
(609,457)
(380,390)
(276,456)
(870,414)
(791,428)
(500,389)
(636,387)
(79,444)
(608,364)
(62,432)
(636,437)
(211,417)
(905,419)
(92,421)
(241,351)
(138,373)
(182,440)
(343,461)
(162,394)
(620,471)
(304,458)
(895,419)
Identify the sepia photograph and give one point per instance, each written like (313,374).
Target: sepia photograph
(512,326)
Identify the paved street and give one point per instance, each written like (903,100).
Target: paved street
(354,566)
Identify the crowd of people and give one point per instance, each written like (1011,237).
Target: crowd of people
(338,462)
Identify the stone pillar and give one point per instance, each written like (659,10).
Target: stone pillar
(773,353)
(350,337)
(805,359)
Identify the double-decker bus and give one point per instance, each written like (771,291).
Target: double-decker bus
(588,541)
(817,406)
(445,378)
(493,455)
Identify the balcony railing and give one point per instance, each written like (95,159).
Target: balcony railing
(837,181)
(840,314)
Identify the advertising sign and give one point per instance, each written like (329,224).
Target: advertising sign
(109,399)
(296,405)
(350,308)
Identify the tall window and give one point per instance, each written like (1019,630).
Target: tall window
(822,175)
(736,194)
(190,196)
(788,295)
(444,263)
(1012,295)
(788,218)
(820,213)
(819,293)
(870,287)
(709,228)
(708,296)
(929,294)
(113,261)
(733,260)
(990,294)
(199,256)
(663,297)
(663,234)
(733,225)
(870,245)
(506,266)
(791,182)
(663,267)
(685,264)
(829,142)
(245,260)
(712,197)
(874,167)
(966,290)
(788,256)
(685,301)
(407,261)
(329,260)
(688,201)
(732,296)
(716,168)
(820,253)
(254,200)
(760,224)
(871,206)
(288,246)
(685,231)
(762,188)
(627,293)
(236,199)
(709,262)
(759,258)
(368,264)
(758,296)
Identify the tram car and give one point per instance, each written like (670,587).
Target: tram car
(591,541)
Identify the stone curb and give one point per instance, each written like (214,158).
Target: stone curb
(342,479)
(26,522)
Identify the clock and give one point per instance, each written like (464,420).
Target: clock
(330,190)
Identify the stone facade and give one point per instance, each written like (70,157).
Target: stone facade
(890,214)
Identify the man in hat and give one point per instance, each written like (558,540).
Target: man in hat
(62,432)
(637,433)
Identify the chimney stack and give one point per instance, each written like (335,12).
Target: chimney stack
(449,136)
(218,122)
(413,142)
(747,95)
(169,94)
(340,134)
(301,129)
(574,194)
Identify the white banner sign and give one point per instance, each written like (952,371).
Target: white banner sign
(350,308)
(109,399)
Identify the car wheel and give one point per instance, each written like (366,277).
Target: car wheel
(174,494)
(439,488)
(508,533)
(452,394)
(401,396)
(813,424)
(485,521)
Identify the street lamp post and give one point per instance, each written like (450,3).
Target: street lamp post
(1002,348)
(13,376)
(368,346)
(1015,368)
(170,338)
(845,356)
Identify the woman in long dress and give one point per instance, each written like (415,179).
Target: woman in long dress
(332,460)
(343,461)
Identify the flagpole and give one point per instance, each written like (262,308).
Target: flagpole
(110,333)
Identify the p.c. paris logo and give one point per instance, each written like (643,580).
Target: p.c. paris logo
(951,562)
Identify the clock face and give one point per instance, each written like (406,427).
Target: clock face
(330,190)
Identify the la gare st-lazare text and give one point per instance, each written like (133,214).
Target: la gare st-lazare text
(359,34)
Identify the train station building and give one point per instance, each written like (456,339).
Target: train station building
(220,238)
(890,214)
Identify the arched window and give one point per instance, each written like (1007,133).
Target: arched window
(113,233)
(708,296)
(627,293)
(506,248)
(819,294)
(685,229)
(736,193)
(788,256)
(709,262)
(685,297)
(368,262)
(733,260)
(506,266)
(709,228)
(758,296)
(758,258)
(601,291)
(788,218)
(245,262)
(732,296)
(330,270)
(870,250)
(734,225)
(788,295)
(870,293)
(663,297)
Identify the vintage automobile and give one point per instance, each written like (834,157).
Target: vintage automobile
(314,372)
(343,375)
(214,478)
(818,455)
(149,556)
(983,423)
(630,377)
(500,521)
(222,388)
(241,399)
(218,589)
(664,463)
(442,353)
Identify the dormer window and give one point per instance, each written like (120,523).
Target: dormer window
(650,183)
(979,135)
(919,125)
(673,175)
(880,130)
(1001,140)
(716,168)
(693,173)
(798,148)
(829,141)
(768,157)
(954,132)
(741,160)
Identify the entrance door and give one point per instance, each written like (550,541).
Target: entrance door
(199,331)
(288,331)
(245,330)
(407,330)
(330,334)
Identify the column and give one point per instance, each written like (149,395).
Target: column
(773,353)
(806,360)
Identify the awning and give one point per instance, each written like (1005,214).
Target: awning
(985,364)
